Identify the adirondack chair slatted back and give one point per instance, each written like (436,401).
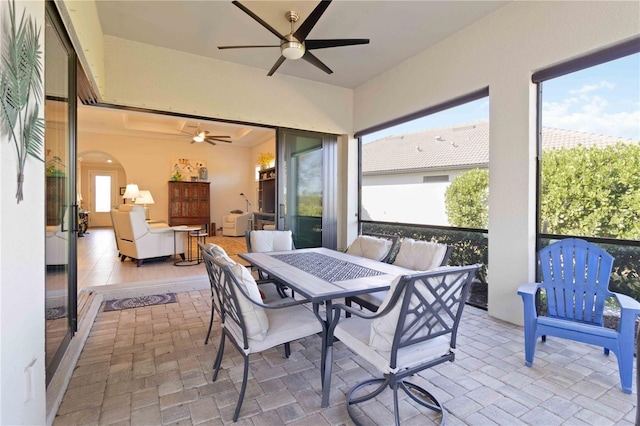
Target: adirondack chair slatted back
(575,277)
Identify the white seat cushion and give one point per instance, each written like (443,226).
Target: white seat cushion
(255,318)
(370,247)
(266,241)
(420,255)
(354,333)
(286,325)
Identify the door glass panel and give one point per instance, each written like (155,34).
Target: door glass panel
(302,192)
(103,194)
(60,211)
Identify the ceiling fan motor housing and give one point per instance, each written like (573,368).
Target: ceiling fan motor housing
(292,48)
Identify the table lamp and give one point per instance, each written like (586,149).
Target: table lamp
(144,199)
(132,192)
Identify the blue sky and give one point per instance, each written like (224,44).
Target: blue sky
(604,99)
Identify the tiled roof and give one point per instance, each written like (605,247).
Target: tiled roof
(462,146)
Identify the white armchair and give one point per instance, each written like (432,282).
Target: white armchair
(57,242)
(56,245)
(140,241)
(235,224)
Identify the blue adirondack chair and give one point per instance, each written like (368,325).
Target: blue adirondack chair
(575,277)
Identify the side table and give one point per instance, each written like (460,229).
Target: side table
(192,232)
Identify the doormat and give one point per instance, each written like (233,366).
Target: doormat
(56,313)
(139,302)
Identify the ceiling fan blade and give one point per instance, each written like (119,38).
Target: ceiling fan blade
(309,57)
(258,19)
(208,139)
(303,31)
(338,42)
(275,66)
(216,136)
(246,47)
(210,142)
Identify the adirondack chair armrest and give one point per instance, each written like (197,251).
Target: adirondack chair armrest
(528,292)
(629,311)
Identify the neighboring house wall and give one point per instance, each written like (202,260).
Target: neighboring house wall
(501,51)
(406,198)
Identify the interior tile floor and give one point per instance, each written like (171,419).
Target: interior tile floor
(149,366)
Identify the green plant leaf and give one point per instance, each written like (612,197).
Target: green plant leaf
(33,135)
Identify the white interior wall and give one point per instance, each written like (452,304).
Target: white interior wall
(148,163)
(22,268)
(501,51)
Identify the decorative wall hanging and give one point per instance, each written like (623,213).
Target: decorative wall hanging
(189,170)
(21,89)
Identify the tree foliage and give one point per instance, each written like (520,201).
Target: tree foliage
(467,199)
(592,191)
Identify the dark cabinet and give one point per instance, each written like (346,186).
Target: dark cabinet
(267,190)
(189,203)
(55,199)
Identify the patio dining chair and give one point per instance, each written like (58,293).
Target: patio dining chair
(413,254)
(414,329)
(575,285)
(249,324)
(266,241)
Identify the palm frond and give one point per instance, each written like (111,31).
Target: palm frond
(33,134)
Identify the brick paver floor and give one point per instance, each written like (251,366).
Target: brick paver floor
(149,366)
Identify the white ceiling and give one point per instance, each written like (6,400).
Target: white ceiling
(398,30)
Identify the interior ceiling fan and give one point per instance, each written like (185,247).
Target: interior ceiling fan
(200,135)
(295,44)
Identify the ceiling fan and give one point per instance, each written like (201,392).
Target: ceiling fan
(295,44)
(200,135)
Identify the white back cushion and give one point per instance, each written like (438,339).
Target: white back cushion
(383,328)
(218,251)
(370,247)
(265,241)
(255,319)
(420,255)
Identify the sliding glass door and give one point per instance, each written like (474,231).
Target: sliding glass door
(60,203)
(307,196)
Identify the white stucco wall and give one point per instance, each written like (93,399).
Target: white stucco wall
(501,52)
(22,271)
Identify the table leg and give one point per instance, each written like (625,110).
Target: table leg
(326,359)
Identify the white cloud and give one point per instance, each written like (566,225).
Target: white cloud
(591,113)
(592,87)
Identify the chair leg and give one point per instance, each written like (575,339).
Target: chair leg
(287,350)
(245,376)
(347,301)
(422,397)
(529,345)
(218,361)
(206,340)
(625,368)
(351,400)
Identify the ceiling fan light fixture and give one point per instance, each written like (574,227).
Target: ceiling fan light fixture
(292,49)
(199,137)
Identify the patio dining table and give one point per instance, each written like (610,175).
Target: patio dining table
(322,275)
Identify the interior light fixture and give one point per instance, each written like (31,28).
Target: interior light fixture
(292,48)
(199,137)
(132,192)
(145,198)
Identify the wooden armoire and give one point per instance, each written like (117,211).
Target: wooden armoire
(189,204)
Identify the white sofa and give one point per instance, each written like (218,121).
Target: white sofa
(141,241)
(235,224)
